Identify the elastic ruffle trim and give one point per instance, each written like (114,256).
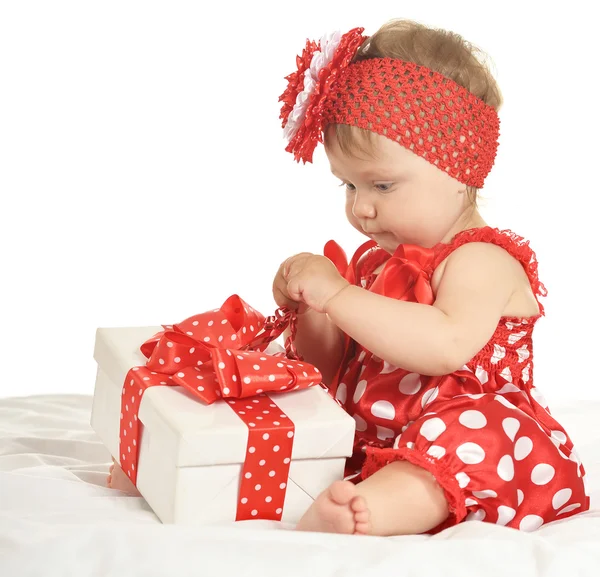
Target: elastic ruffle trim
(377,458)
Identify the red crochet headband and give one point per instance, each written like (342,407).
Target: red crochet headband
(419,108)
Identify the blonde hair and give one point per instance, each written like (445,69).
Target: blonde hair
(439,50)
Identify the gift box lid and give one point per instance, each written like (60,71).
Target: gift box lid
(214,434)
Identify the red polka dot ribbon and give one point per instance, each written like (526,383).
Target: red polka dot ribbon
(219,355)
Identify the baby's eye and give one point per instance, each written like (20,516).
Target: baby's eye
(384,187)
(348,186)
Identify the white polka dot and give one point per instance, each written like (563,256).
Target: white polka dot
(523,354)
(361,424)
(278,511)
(221,365)
(569,508)
(542,474)
(384,433)
(473,419)
(482,375)
(485,494)
(463,479)
(432,429)
(383,410)
(226,390)
(247,380)
(271,473)
(478,515)
(470,502)
(499,354)
(286,460)
(470,453)
(290,434)
(248,475)
(341,393)
(539,398)
(282,486)
(502,400)
(266,436)
(410,384)
(244,500)
(505,515)
(561,497)
(268,499)
(257,487)
(559,436)
(523,447)
(511,427)
(436,451)
(520,497)
(506,468)
(254,512)
(531,523)
(177,359)
(251,449)
(429,396)
(359,391)
(276,448)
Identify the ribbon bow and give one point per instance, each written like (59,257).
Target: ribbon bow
(406,276)
(219,353)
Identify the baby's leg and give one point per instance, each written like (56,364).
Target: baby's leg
(117,479)
(399,499)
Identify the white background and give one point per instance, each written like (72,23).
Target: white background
(143,176)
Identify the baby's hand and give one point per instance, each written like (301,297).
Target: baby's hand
(280,290)
(311,279)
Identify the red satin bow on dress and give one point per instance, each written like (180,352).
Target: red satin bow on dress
(405,276)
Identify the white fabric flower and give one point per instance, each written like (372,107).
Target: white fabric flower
(320,59)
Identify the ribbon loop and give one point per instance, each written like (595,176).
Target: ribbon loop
(406,275)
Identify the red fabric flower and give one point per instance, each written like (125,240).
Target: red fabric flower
(304,98)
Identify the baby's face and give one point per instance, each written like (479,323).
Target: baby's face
(397,197)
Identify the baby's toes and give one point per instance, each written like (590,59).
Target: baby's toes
(362,516)
(362,528)
(358,504)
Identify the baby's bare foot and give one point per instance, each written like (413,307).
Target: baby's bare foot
(338,509)
(117,479)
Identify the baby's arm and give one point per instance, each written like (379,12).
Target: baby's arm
(478,282)
(320,342)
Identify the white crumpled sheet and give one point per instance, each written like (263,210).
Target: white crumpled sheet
(57,518)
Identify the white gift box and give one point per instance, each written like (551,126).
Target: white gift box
(191,454)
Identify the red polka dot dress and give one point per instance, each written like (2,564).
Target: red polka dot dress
(484,431)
